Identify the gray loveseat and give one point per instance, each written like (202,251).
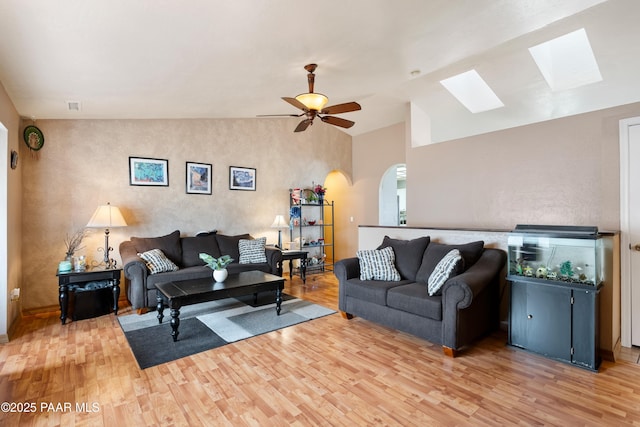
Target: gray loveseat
(466,309)
(184,252)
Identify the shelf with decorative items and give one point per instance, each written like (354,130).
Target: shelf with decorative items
(311,219)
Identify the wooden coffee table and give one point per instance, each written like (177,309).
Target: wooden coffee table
(186,292)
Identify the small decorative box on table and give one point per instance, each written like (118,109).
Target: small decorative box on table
(95,292)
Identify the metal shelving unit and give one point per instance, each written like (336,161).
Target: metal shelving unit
(311,228)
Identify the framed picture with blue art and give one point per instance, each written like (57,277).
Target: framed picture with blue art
(242,178)
(198,178)
(149,172)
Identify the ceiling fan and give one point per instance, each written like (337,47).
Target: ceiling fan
(313,105)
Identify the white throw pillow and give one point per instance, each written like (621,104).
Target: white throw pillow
(157,261)
(378,264)
(445,269)
(252,250)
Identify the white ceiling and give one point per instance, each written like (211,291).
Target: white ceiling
(235,59)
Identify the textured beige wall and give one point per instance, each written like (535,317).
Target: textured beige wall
(85,163)
(12,277)
(564,171)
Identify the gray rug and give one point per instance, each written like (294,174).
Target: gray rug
(212,324)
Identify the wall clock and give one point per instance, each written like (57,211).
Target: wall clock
(33,137)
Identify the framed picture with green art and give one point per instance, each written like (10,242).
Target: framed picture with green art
(148,172)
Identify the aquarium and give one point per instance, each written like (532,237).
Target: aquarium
(557,253)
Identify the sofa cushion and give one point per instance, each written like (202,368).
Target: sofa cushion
(169,245)
(239,268)
(436,251)
(378,264)
(252,250)
(188,273)
(157,262)
(374,291)
(414,298)
(229,244)
(446,268)
(193,246)
(408,254)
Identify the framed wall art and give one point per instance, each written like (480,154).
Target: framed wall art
(242,178)
(150,172)
(198,178)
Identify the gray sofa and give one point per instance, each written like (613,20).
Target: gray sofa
(466,309)
(184,252)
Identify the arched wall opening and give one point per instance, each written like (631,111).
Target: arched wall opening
(338,186)
(392,196)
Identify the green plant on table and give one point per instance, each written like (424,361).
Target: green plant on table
(216,263)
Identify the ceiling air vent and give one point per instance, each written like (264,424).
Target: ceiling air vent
(73,105)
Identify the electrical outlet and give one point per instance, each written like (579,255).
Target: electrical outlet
(15,294)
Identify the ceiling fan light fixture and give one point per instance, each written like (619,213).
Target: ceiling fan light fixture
(313,101)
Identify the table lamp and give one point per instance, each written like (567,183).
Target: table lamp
(107,216)
(280,224)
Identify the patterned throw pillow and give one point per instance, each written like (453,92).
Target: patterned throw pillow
(378,264)
(252,250)
(157,261)
(446,268)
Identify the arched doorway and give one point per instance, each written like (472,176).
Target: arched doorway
(393,196)
(338,185)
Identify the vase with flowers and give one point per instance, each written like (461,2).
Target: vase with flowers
(73,243)
(320,190)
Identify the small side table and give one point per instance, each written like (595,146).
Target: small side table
(82,278)
(302,256)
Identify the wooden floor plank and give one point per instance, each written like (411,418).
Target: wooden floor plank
(329,371)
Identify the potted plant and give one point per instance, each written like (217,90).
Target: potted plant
(218,265)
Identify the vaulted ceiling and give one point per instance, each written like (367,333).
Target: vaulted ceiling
(236,59)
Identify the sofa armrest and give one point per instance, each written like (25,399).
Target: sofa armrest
(345,269)
(135,272)
(473,281)
(274,259)
(470,301)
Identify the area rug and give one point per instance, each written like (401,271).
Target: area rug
(212,324)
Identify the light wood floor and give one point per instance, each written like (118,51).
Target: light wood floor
(329,371)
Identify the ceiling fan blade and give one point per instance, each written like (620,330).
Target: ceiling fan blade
(337,121)
(295,103)
(280,115)
(303,125)
(341,108)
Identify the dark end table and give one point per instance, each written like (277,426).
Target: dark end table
(302,256)
(81,278)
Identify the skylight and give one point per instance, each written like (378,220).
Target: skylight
(567,62)
(472,92)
